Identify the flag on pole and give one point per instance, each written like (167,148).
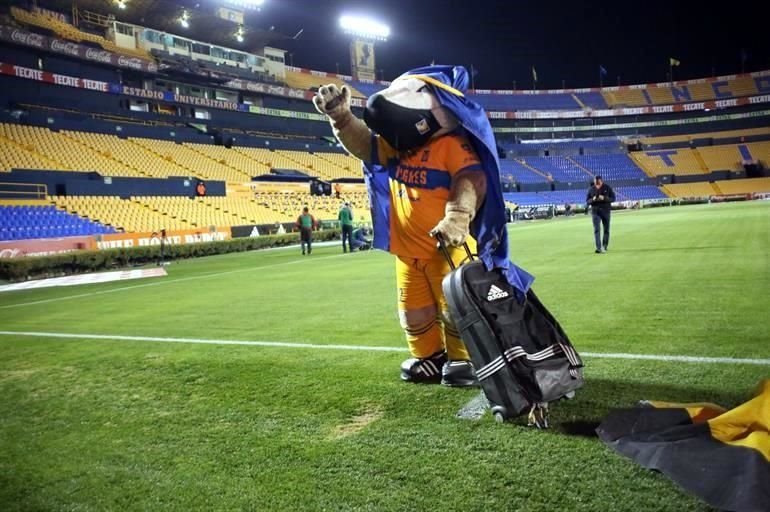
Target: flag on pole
(673,62)
(534,74)
(602,70)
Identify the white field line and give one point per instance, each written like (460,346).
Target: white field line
(165,281)
(368,348)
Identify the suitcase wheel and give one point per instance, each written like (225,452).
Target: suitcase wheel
(499,414)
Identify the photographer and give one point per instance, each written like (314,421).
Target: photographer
(359,241)
(600,197)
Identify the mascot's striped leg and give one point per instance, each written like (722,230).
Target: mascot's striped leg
(417,309)
(438,353)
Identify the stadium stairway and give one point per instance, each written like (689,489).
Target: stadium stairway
(540,173)
(698,158)
(577,100)
(131,155)
(194,162)
(209,153)
(582,168)
(14,154)
(99,148)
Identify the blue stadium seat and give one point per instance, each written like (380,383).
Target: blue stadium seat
(28,222)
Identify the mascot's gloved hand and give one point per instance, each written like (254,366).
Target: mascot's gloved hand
(465,197)
(333,102)
(454,228)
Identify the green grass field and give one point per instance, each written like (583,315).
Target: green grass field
(106,424)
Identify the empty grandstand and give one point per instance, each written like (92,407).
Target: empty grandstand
(91,133)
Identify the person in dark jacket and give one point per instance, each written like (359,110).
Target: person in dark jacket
(600,197)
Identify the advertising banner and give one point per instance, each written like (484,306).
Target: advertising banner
(45,246)
(362,60)
(188,236)
(72,49)
(249,231)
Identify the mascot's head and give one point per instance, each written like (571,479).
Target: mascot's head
(408,114)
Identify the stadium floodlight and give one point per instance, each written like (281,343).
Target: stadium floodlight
(121,4)
(184,20)
(364,27)
(246,4)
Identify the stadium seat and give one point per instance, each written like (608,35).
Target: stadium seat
(28,222)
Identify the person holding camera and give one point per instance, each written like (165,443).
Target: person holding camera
(600,197)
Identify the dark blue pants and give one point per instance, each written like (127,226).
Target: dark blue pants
(347,233)
(601,217)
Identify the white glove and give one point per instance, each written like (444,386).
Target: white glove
(333,102)
(454,228)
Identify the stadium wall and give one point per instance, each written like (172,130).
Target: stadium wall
(14,91)
(94,184)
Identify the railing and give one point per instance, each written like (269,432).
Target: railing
(23,190)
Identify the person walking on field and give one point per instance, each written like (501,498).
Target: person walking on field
(600,197)
(346,221)
(306,224)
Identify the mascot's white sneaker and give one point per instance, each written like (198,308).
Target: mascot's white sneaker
(428,370)
(459,374)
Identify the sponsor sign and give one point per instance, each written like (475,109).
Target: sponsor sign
(45,246)
(248,231)
(189,236)
(72,49)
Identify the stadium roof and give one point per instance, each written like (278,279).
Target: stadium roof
(568,44)
(164,15)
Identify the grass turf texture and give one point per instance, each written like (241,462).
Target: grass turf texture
(97,425)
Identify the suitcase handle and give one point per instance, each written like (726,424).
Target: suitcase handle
(443,248)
